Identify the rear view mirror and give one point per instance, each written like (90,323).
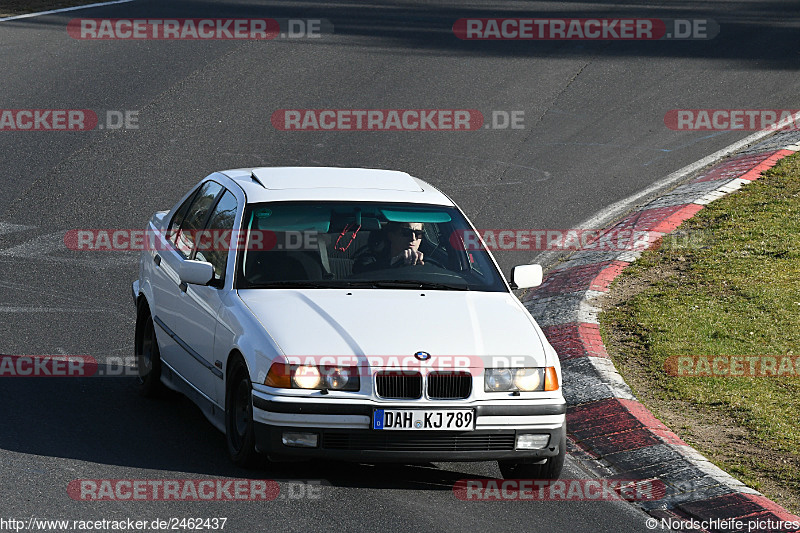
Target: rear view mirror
(524,276)
(196,272)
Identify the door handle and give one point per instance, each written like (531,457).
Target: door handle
(157,260)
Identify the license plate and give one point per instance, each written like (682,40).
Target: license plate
(414,419)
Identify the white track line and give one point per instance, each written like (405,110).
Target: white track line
(42,309)
(11,228)
(62,10)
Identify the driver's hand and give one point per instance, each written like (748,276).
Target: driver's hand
(412,257)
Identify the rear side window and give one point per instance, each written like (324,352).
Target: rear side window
(211,248)
(180,214)
(184,236)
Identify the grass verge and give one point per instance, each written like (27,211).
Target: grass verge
(734,291)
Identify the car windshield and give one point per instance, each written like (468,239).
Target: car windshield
(362,245)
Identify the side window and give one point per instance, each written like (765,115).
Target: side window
(213,247)
(195,217)
(180,214)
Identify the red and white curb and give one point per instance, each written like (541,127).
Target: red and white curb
(605,422)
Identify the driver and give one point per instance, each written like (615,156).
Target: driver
(400,246)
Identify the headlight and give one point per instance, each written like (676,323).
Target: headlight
(306,377)
(337,377)
(498,379)
(284,376)
(520,379)
(528,379)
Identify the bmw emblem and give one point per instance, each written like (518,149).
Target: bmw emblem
(422,356)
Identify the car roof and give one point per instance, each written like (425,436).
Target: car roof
(271,184)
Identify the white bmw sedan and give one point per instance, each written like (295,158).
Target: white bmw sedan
(348,314)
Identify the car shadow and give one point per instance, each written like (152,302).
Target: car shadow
(103,420)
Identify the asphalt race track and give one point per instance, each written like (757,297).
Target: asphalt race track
(594,133)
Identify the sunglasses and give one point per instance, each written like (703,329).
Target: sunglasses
(414,234)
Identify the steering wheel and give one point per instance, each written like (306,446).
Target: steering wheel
(426,261)
(434,262)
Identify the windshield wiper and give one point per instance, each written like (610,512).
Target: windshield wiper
(416,284)
(360,284)
(323,284)
(300,284)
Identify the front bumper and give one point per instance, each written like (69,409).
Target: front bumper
(344,432)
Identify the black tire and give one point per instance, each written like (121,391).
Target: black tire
(239,431)
(148,358)
(550,469)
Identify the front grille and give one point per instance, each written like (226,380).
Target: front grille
(449,385)
(398,384)
(420,442)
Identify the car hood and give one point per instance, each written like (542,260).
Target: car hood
(399,323)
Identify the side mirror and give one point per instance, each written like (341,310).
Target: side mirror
(524,276)
(196,272)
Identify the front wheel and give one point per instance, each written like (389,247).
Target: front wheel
(239,431)
(148,360)
(550,469)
